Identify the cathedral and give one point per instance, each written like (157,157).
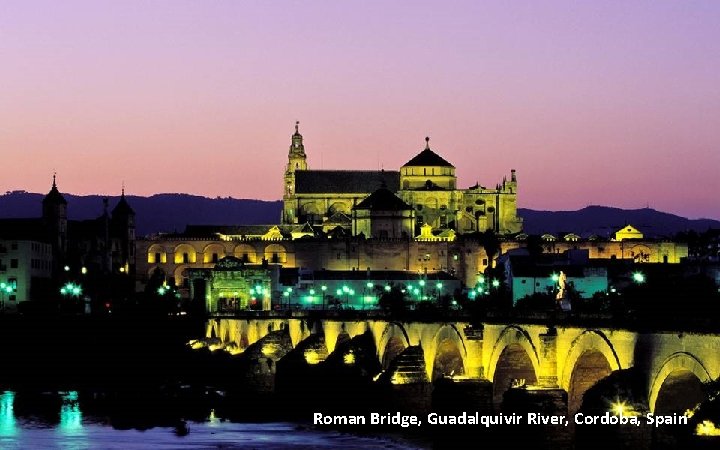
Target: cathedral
(422,199)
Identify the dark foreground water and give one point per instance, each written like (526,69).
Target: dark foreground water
(38,428)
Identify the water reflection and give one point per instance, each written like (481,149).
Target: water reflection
(70,415)
(30,420)
(8,427)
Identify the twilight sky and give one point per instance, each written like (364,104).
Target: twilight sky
(604,102)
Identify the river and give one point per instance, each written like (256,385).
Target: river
(33,424)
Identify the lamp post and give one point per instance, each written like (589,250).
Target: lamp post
(323,288)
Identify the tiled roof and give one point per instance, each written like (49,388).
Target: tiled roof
(383,200)
(345,181)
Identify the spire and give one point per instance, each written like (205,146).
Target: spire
(122,191)
(427,142)
(54,196)
(297,147)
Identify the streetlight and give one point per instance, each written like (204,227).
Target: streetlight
(638,277)
(323,288)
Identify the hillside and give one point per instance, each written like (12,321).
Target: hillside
(172,212)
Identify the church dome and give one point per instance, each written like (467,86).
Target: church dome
(428,158)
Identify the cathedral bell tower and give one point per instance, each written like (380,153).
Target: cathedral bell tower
(297,160)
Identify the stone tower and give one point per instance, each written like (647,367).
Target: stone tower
(123,221)
(54,214)
(297,160)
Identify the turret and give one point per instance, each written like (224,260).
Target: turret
(54,214)
(123,220)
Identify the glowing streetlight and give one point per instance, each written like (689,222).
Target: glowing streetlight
(638,277)
(496,283)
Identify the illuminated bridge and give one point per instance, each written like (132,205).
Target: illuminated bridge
(563,359)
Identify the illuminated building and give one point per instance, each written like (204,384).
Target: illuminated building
(427,183)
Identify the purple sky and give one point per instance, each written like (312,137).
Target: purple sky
(606,102)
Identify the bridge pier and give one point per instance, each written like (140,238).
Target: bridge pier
(547,402)
(547,378)
(474,348)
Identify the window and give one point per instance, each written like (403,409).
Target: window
(485,262)
(186,258)
(13,263)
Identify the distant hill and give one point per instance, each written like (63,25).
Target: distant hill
(157,213)
(172,212)
(604,221)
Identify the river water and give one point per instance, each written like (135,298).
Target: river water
(34,425)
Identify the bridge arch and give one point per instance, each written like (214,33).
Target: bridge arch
(513,335)
(591,358)
(446,354)
(677,365)
(393,340)
(513,356)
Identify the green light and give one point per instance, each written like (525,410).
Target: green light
(8,289)
(76,290)
(161,290)
(63,291)
(323,287)
(481,279)
(421,283)
(638,277)
(286,294)
(312,291)
(339,292)
(472,293)
(555,277)
(252,291)
(439,285)
(351,292)
(387,288)
(369,299)
(369,284)
(289,289)
(345,289)
(2,285)
(235,294)
(495,283)
(258,289)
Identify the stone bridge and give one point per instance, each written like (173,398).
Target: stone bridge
(672,365)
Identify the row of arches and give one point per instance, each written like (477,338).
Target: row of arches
(187,254)
(676,386)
